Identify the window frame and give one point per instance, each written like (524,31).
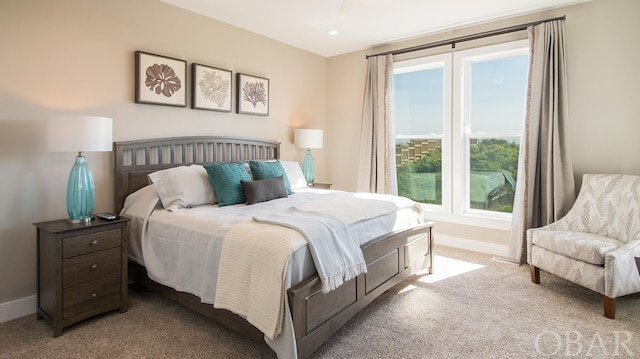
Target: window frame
(456,134)
(462,61)
(426,63)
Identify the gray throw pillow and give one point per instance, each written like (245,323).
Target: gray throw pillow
(264,190)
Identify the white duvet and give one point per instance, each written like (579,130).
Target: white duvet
(182,249)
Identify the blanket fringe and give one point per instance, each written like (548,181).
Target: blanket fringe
(337,279)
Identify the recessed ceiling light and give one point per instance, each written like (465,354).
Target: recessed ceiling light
(332,32)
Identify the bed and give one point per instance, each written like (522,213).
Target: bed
(311,315)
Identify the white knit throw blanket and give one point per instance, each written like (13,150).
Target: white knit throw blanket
(335,252)
(252,273)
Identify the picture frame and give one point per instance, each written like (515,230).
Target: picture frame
(160,80)
(211,88)
(252,95)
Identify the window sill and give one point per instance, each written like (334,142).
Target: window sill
(468,219)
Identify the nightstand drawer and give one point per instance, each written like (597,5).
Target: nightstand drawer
(93,295)
(83,269)
(91,242)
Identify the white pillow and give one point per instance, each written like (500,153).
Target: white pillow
(140,202)
(294,174)
(183,187)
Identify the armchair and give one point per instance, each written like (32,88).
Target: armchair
(594,245)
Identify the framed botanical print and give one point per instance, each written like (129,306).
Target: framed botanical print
(211,88)
(253,95)
(160,80)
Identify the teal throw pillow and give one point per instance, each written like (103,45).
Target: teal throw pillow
(225,179)
(265,170)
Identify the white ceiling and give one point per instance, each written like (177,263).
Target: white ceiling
(361,23)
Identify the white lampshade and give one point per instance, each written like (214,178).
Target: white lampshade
(79,134)
(307,138)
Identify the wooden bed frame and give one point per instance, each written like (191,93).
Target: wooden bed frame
(390,258)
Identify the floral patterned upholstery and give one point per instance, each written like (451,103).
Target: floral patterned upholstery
(594,245)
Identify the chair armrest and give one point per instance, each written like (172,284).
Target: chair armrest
(620,271)
(529,235)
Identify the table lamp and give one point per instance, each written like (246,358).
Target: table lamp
(80,134)
(308,138)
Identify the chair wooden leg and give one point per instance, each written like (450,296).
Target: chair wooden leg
(609,307)
(535,274)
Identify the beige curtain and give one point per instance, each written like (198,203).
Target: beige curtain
(545,190)
(377,166)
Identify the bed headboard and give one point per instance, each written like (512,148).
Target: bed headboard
(134,160)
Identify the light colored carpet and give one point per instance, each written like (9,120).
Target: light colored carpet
(471,307)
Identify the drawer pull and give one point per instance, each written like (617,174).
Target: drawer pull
(94,266)
(94,295)
(94,242)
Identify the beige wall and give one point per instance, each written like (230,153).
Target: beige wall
(77,57)
(603,48)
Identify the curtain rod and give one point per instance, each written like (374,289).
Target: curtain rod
(455,40)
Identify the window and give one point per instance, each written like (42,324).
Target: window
(458,125)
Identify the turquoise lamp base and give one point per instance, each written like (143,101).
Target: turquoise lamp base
(81,195)
(308,168)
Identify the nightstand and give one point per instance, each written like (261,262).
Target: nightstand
(318,185)
(82,270)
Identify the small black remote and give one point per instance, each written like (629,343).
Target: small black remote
(107,216)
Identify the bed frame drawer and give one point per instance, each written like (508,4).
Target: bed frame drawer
(322,306)
(416,249)
(381,270)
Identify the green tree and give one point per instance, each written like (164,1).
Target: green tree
(496,155)
(420,179)
(491,155)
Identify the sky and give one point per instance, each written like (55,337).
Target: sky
(498,91)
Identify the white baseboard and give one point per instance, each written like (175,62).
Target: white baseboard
(18,308)
(472,245)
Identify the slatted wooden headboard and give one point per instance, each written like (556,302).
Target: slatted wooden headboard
(134,160)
